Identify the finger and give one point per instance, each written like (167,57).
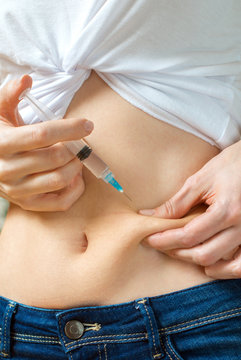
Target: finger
(196,231)
(60,201)
(44,182)
(9,97)
(3,195)
(226,269)
(187,197)
(19,119)
(212,250)
(29,137)
(35,161)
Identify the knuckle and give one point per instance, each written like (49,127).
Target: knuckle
(203,258)
(188,240)
(5,171)
(169,208)
(78,182)
(192,181)
(64,205)
(234,214)
(39,135)
(56,181)
(57,155)
(67,202)
(209,272)
(220,207)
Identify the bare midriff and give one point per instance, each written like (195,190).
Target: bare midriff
(93,253)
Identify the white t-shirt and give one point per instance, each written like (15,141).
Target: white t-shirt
(177,60)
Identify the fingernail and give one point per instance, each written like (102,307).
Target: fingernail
(147,212)
(154,237)
(88,125)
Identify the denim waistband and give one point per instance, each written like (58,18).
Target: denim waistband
(131,321)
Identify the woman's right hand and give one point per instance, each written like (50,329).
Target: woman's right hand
(37,172)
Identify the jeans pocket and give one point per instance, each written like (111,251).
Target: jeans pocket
(220,340)
(170,348)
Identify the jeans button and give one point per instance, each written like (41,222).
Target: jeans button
(74,329)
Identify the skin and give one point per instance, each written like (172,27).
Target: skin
(43,182)
(93,252)
(212,239)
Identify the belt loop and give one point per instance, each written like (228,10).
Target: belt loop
(152,330)
(6,330)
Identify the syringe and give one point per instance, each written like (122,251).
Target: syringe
(78,147)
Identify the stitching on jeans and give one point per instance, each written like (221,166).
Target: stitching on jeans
(90,337)
(130,334)
(202,318)
(55,340)
(37,341)
(101,342)
(173,328)
(142,301)
(71,357)
(153,336)
(105,352)
(36,336)
(202,323)
(62,335)
(3,354)
(168,344)
(99,352)
(93,327)
(165,349)
(33,336)
(5,326)
(108,336)
(157,356)
(19,336)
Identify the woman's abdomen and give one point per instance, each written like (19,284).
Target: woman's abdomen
(93,253)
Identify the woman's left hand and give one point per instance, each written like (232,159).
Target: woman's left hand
(212,239)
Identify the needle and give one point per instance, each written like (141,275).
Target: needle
(126,196)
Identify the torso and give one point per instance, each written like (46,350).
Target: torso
(44,260)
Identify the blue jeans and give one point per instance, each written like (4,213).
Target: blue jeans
(201,322)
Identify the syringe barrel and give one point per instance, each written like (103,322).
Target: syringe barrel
(78,147)
(97,166)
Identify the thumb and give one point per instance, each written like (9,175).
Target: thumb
(180,204)
(9,98)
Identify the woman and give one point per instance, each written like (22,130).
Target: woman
(80,281)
